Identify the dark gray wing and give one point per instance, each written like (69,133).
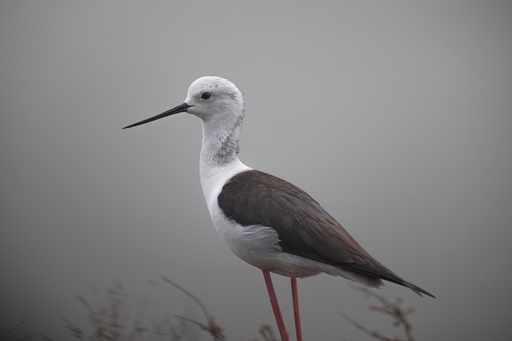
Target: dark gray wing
(304,228)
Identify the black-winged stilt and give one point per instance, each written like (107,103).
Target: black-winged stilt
(266,221)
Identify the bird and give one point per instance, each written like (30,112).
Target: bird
(266,221)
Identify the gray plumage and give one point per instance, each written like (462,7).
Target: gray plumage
(304,228)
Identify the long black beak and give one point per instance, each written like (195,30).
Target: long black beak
(180,108)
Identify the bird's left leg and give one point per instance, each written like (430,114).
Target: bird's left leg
(296,311)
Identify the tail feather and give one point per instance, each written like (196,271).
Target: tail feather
(398,280)
(417,289)
(379,271)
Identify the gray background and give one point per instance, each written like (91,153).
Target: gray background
(395,116)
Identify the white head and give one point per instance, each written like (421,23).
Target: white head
(209,98)
(212,96)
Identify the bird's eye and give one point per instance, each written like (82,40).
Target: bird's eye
(206,95)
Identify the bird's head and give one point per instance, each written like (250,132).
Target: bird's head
(210,98)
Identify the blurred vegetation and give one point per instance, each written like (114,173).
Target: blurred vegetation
(109,321)
(388,308)
(21,332)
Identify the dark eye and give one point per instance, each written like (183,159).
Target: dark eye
(206,95)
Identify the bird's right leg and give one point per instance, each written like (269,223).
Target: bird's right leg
(275,306)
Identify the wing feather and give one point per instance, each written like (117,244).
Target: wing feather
(304,228)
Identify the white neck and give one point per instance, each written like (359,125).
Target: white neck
(220,141)
(218,160)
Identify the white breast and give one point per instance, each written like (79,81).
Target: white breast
(213,179)
(247,242)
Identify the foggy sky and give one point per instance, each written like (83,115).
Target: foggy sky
(395,116)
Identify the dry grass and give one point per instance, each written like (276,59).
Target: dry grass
(388,308)
(211,327)
(107,321)
(110,322)
(21,332)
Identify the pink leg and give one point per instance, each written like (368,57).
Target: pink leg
(296,310)
(275,306)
